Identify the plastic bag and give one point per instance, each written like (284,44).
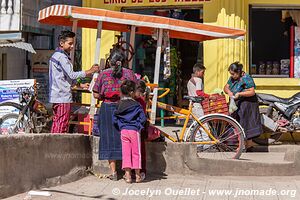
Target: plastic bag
(232,105)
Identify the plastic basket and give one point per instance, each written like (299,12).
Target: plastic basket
(215,106)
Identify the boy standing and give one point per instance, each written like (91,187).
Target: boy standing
(195,88)
(61,79)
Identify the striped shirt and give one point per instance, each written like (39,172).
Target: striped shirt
(61,77)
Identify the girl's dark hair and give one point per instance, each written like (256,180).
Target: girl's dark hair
(127,87)
(236,67)
(64,35)
(141,86)
(116,60)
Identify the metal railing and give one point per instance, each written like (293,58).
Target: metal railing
(10,15)
(10,6)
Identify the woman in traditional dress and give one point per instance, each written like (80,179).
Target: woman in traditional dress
(107,89)
(241,87)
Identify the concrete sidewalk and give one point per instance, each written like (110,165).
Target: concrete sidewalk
(178,187)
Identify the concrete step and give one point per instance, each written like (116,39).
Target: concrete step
(182,158)
(169,158)
(272,157)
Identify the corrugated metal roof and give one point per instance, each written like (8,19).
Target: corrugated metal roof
(21,45)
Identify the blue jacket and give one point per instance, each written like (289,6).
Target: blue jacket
(129,115)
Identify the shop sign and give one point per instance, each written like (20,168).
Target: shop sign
(127,3)
(8,93)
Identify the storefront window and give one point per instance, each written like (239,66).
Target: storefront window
(272,42)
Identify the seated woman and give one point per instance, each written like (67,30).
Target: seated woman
(241,87)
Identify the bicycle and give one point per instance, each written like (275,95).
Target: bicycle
(33,117)
(225,134)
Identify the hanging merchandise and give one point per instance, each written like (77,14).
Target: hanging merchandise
(262,68)
(177,14)
(167,68)
(276,67)
(162,13)
(269,68)
(285,66)
(297,53)
(174,57)
(253,69)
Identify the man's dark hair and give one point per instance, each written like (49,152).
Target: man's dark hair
(236,67)
(198,67)
(64,35)
(127,87)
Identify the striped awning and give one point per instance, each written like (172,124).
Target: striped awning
(17,44)
(146,24)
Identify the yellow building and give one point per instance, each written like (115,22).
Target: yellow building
(267,40)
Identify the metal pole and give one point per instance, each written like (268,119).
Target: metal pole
(156,76)
(98,43)
(132,41)
(96,61)
(74,29)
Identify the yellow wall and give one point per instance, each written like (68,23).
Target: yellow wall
(219,54)
(88,46)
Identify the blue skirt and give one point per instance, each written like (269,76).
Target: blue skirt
(110,147)
(248,116)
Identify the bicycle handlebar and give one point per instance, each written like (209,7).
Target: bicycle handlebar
(152,86)
(165,93)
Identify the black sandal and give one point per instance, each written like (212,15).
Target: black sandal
(250,149)
(113,177)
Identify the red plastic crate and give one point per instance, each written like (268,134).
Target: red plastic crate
(215,106)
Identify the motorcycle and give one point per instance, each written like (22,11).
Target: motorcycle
(33,115)
(280,115)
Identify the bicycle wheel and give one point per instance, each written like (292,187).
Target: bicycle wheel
(8,124)
(12,104)
(227,131)
(12,107)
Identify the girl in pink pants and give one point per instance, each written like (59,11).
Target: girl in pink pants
(130,118)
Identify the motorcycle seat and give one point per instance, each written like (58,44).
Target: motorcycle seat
(272,98)
(194,99)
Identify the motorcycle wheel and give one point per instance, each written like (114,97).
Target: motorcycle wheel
(8,122)
(273,137)
(41,123)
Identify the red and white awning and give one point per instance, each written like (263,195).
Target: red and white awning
(146,24)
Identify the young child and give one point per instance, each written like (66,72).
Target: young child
(141,96)
(195,88)
(130,119)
